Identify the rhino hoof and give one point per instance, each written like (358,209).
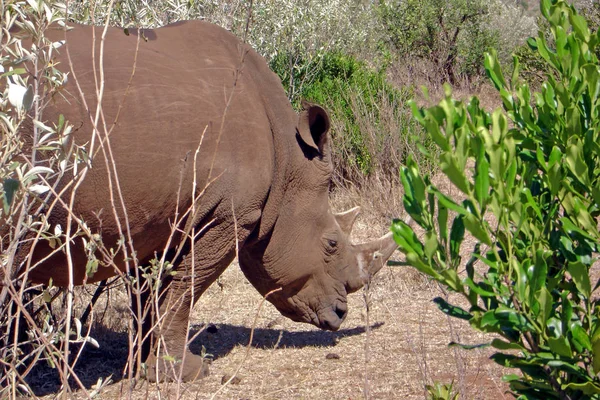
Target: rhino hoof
(194,367)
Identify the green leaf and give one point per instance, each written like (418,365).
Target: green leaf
(587,388)
(581,337)
(469,346)
(478,289)
(406,238)
(554,327)
(580,274)
(560,346)
(431,244)
(452,280)
(15,71)
(574,158)
(580,27)
(482,179)
(544,299)
(515,75)
(447,201)
(451,310)
(443,222)
(567,311)
(596,351)
(493,69)
(433,128)
(474,226)
(449,165)
(10,187)
(417,262)
(457,236)
(539,272)
(502,345)
(570,228)
(504,318)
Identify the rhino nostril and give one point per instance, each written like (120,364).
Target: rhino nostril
(341,312)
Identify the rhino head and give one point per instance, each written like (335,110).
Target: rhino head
(307,250)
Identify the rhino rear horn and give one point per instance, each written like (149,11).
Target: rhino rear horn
(346,219)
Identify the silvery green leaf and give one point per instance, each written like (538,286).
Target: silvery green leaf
(92,341)
(62,166)
(38,189)
(68,130)
(37,170)
(45,137)
(48,12)
(16,95)
(43,127)
(77,327)
(34,4)
(23,388)
(57,230)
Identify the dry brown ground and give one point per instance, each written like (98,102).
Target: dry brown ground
(405,348)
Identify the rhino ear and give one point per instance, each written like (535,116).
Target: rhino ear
(313,128)
(346,219)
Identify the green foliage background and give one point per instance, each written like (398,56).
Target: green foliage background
(531,202)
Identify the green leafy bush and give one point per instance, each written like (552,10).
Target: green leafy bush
(529,177)
(370,117)
(453,34)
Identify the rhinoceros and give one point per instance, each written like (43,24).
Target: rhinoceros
(202,124)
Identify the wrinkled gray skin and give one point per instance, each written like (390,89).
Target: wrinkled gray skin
(269,171)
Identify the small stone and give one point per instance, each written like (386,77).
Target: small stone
(332,356)
(272,323)
(235,381)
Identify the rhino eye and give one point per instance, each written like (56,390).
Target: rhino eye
(332,243)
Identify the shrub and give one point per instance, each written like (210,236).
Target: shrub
(371,127)
(453,34)
(531,201)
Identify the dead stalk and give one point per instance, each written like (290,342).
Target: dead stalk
(367,301)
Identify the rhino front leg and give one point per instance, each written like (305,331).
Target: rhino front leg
(170,358)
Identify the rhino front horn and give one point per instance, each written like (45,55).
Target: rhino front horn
(377,253)
(371,257)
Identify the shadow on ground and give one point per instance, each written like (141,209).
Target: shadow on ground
(109,359)
(221,339)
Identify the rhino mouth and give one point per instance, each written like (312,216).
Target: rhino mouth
(332,319)
(329,317)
